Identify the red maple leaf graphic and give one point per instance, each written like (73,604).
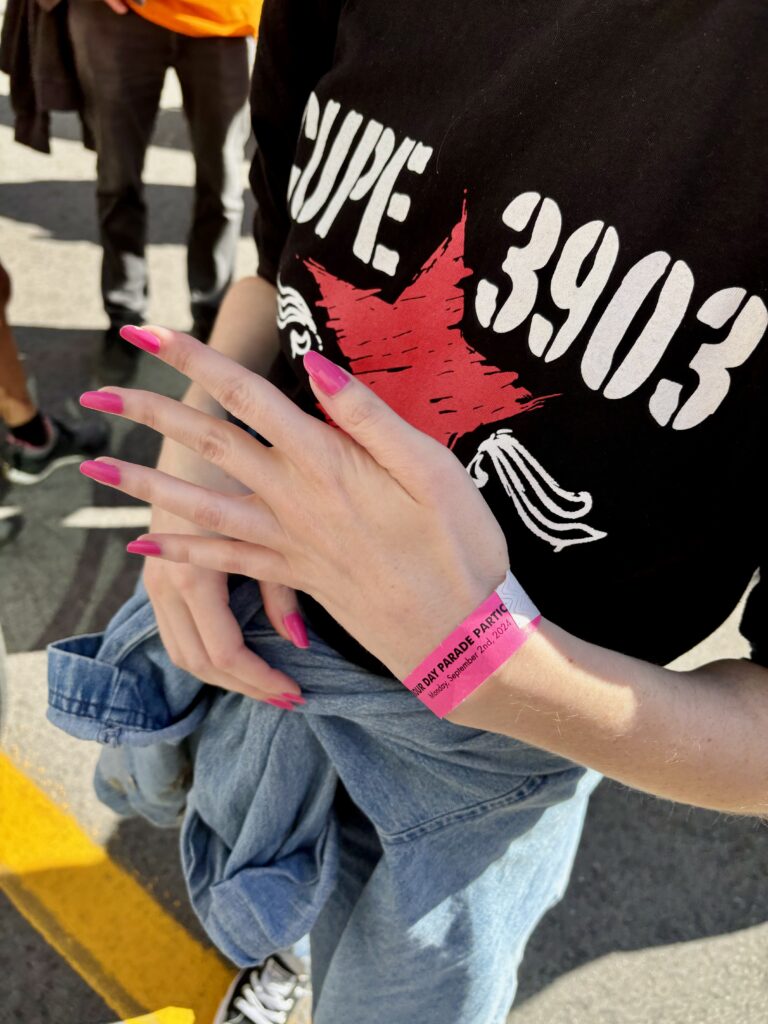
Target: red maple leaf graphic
(405,348)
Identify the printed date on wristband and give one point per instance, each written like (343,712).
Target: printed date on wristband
(475,649)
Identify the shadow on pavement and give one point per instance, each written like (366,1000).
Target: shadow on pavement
(39,986)
(59,361)
(152,855)
(170,127)
(65,210)
(650,873)
(75,579)
(141,982)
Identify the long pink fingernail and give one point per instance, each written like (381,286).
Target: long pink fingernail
(296,697)
(296,630)
(101,471)
(329,377)
(284,704)
(102,401)
(143,547)
(140,338)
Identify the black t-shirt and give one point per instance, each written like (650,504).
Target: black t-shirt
(538,230)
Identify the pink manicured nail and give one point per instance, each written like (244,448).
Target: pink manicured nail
(143,547)
(102,401)
(329,377)
(296,629)
(101,471)
(284,704)
(295,697)
(140,338)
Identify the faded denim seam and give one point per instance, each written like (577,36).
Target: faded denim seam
(521,792)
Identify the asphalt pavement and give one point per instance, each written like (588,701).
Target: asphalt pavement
(666,919)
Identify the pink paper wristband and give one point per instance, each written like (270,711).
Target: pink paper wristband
(475,649)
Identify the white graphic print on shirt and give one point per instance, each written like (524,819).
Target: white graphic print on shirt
(366,161)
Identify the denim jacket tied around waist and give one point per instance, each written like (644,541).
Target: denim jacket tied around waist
(254,786)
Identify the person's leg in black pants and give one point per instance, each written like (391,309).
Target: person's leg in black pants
(121,64)
(214,74)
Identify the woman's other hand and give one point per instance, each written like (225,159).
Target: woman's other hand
(191,603)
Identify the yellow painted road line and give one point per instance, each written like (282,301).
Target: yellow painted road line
(170,1015)
(109,929)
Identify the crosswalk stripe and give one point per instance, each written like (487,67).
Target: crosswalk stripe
(100,919)
(109,517)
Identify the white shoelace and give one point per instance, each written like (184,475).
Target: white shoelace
(266,1000)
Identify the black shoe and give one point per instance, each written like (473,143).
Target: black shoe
(68,443)
(202,326)
(118,359)
(275,992)
(10,525)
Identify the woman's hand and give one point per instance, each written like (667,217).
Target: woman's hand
(377,521)
(191,604)
(383,526)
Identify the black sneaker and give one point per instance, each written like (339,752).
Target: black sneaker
(202,328)
(118,359)
(68,443)
(275,992)
(10,525)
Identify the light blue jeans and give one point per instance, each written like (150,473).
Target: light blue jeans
(453,844)
(419,854)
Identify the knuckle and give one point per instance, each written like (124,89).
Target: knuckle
(225,659)
(362,414)
(175,654)
(143,486)
(170,648)
(440,463)
(197,665)
(329,458)
(194,587)
(279,599)
(209,515)
(235,395)
(233,559)
(154,579)
(215,447)
(144,409)
(436,464)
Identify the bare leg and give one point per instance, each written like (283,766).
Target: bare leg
(16,406)
(35,445)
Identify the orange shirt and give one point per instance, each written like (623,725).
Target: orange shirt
(203,17)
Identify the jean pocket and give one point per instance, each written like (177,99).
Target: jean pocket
(524,791)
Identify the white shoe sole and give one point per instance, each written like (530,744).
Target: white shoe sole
(18,476)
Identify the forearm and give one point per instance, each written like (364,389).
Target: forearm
(245,331)
(697,737)
(16,405)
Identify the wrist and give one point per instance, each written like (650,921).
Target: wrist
(473,651)
(549,690)
(508,692)
(246,325)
